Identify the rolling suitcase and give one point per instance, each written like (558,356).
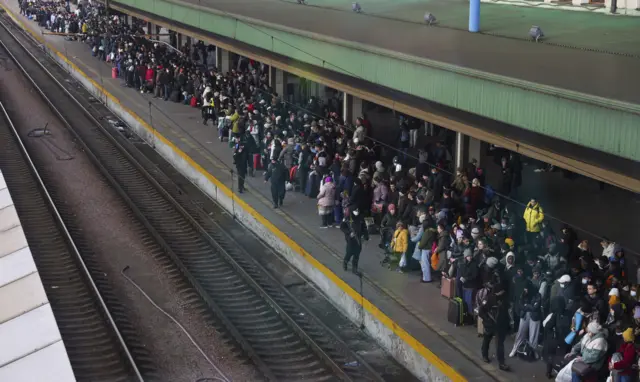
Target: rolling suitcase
(114,72)
(480,327)
(448,287)
(455,314)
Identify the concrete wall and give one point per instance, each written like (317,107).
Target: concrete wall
(336,290)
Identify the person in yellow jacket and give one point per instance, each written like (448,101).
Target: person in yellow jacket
(399,246)
(533,217)
(235,121)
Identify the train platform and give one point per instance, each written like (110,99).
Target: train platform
(415,312)
(31,346)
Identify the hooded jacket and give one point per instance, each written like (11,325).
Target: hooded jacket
(533,217)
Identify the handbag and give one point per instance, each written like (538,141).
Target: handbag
(581,369)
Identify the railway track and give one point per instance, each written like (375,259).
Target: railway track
(283,339)
(87,315)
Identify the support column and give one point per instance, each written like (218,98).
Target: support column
(280,83)
(476,150)
(223,59)
(461,150)
(157,32)
(149,27)
(272,77)
(474,16)
(351,108)
(179,40)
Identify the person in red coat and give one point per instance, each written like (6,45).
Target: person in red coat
(624,367)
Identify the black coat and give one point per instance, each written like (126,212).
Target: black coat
(531,303)
(494,312)
(359,230)
(240,157)
(469,271)
(278,175)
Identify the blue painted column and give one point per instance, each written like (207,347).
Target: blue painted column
(474,16)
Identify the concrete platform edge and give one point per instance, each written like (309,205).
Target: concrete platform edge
(395,340)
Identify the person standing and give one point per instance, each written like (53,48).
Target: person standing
(494,311)
(530,315)
(240,160)
(326,202)
(279,176)
(468,278)
(354,231)
(533,217)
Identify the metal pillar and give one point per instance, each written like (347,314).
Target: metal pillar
(474,16)
(223,59)
(280,85)
(461,152)
(351,108)
(475,150)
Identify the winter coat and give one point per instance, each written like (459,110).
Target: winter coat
(592,349)
(533,217)
(628,351)
(381,193)
(443,245)
(428,237)
(327,195)
(389,221)
(531,304)
(286,156)
(400,242)
(469,272)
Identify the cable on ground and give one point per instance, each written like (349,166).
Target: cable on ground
(222,377)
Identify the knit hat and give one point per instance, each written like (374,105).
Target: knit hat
(594,328)
(614,292)
(509,241)
(628,335)
(564,279)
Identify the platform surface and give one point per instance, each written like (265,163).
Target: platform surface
(31,347)
(584,70)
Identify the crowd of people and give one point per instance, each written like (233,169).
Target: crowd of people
(569,305)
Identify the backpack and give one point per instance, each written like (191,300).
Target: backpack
(480,297)
(525,352)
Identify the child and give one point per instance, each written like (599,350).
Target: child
(399,245)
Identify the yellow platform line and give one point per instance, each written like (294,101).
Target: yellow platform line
(368,306)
